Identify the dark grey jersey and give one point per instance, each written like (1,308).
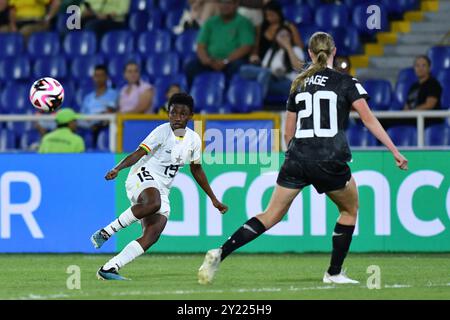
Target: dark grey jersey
(322,107)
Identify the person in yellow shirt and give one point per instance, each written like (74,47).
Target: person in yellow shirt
(63,139)
(34,15)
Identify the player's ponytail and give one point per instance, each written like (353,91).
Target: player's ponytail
(322,45)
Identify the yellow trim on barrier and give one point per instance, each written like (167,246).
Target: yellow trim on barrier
(275,117)
(430,5)
(413,16)
(387,38)
(374,49)
(401,26)
(359,61)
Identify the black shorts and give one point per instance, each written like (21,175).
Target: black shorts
(325,176)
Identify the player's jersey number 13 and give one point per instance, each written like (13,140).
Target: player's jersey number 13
(312,108)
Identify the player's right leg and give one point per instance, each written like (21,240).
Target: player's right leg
(148,203)
(278,206)
(346,199)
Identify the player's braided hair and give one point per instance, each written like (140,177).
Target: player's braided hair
(322,45)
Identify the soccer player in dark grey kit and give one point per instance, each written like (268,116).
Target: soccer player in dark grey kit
(317,110)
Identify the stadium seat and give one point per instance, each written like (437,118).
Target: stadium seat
(82,68)
(443,77)
(14,68)
(7,140)
(331,16)
(56,67)
(80,43)
(154,42)
(405,79)
(437,135)
(163,83)
(86,134)
(116,66)
(142,5)
(15,98)
(400,6)
(298,14)
(407,74)
(169,5)
(359,136)
(207,90)
(244,96)
(440,58)
(380,93)
(145,21)
(173,19)
(403,136)
(103,140)
(346,40)
(29,138)
(43,44)
(306,32)
(186,43)
(163,64)
(360,15)
(11,44)
(117,42)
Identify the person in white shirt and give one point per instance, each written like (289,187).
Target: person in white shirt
(279,67)
(154,165)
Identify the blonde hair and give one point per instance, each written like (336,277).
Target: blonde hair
(322,45)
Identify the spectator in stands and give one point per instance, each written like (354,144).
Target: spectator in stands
(224,42)
(101,16)
(34,15)
(195,17)
(173,88)
(342,64)
(7,17)
(102,100)
(424,94)
(137,95)
(279,66)
(273,20)
(63,139)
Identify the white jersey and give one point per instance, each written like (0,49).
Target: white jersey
(166,154)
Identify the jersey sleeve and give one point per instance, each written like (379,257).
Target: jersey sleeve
(354,90)
(290,104)
(153,141)
(197,150)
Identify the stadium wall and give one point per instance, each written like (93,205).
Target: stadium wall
(53,203)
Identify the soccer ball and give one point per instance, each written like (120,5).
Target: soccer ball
(47,94)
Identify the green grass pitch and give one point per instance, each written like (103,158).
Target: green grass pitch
(241,276)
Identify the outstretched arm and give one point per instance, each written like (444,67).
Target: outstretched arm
(130,160)
(200,177)
(378,131)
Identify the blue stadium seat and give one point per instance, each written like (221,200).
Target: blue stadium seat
(437,135)
(103,140)
(116,66)
(400,6)
(163,64)
(56,67)
(346,40)
(163,83)
(28,138)
(306,32)
(154,42)
(82,68)
(11,44)
(7,140)
(142,5)
(43,44)
(298,14)
(86,134)
(117,42)
(173,19)
(14,68)
(15,98)
(440,58)
(244,96)
(443,77)
(145,21)
(359,136)
(407,74)
(331,16)
(170,5)
(403,136)
(405,79)
(207,90)
(380,93)
(186,43)
(353,3)
(360,16)
(80,43)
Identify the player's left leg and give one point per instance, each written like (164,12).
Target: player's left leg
(346,200)
(278,206)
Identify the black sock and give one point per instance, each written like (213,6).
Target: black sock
(248,232)
(342,237)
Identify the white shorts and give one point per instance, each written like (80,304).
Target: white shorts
(134,186)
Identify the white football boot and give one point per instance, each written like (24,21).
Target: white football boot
(209,266)
(340,278)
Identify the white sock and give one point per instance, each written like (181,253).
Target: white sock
(123,221)
(128,254)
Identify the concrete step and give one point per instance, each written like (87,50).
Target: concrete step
(394,62)
(444,6)
(377,73)
(429,27)
(420,38)
(441,17)
(404,50)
